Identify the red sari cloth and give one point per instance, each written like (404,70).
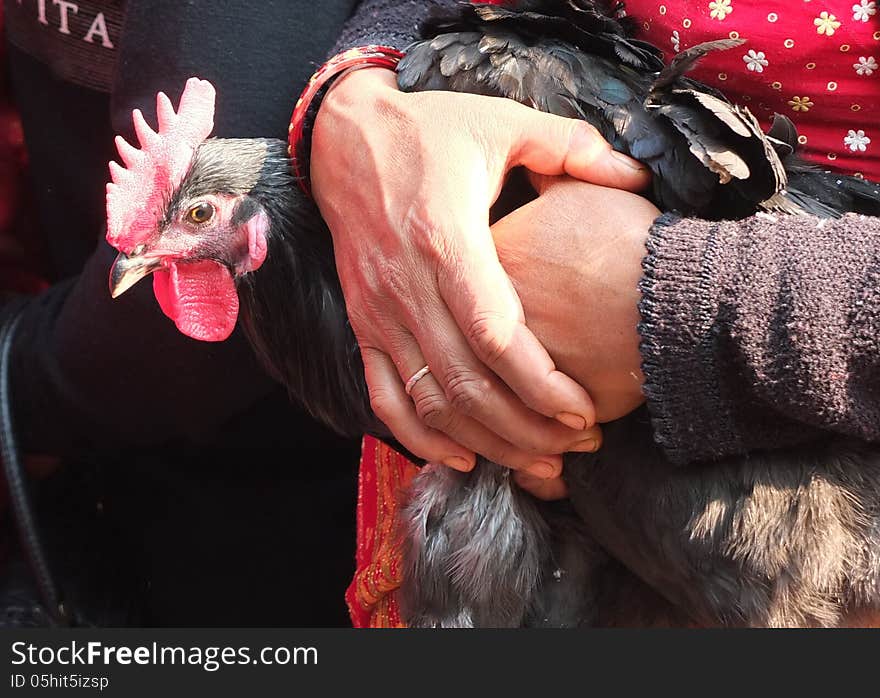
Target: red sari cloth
(815,61)
(384,475)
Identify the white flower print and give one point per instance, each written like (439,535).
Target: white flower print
(756,61)
(865,66)
(719,9)
(676,41)
(826,23)
(856,140)
(864,10)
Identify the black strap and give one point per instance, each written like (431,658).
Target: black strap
(16,477)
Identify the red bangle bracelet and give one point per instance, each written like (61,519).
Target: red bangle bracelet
(360,57)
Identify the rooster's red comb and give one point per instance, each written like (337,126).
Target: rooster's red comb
(138,191)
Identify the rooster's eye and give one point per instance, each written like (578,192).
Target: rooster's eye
(201,213)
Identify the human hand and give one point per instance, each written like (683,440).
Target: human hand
(405,182)
(574,256)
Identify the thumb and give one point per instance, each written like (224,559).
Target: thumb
(553,145)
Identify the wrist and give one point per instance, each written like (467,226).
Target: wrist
(356,112)
(306,106)
(681,330)
(358,85)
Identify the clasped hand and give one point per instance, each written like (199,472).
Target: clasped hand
(405,183)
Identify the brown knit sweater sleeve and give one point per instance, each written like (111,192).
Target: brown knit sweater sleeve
(760,333)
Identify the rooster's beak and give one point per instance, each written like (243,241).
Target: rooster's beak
(127,271)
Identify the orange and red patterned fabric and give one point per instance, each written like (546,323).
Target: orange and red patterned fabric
(384,475)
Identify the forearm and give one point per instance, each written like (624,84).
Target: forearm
(761,333)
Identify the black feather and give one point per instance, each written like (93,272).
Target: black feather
(645,109)
(686,60)
(783,135)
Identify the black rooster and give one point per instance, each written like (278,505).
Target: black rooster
(780,539)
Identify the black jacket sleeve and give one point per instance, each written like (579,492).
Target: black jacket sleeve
(393,23)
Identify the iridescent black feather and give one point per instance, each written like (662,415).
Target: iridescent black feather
(576,58)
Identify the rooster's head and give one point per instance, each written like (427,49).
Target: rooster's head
(192,211)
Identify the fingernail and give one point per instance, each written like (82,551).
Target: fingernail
(457,463)
(587,446)
(628,161)
(572,421)
(541,469)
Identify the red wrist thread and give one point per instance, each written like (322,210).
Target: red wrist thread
(354,58)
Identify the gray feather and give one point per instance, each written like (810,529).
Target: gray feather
(476,543)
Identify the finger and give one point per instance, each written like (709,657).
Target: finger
(465,388)
(438,413)
(434,410)
(546,489)
(432,406)
(554,145)
(401,414)
(482,300)
(394,408)
(593,442)
(543,183)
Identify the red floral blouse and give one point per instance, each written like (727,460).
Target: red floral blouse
(816,61)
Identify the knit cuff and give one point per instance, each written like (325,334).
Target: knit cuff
(386,23)
(681,334)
